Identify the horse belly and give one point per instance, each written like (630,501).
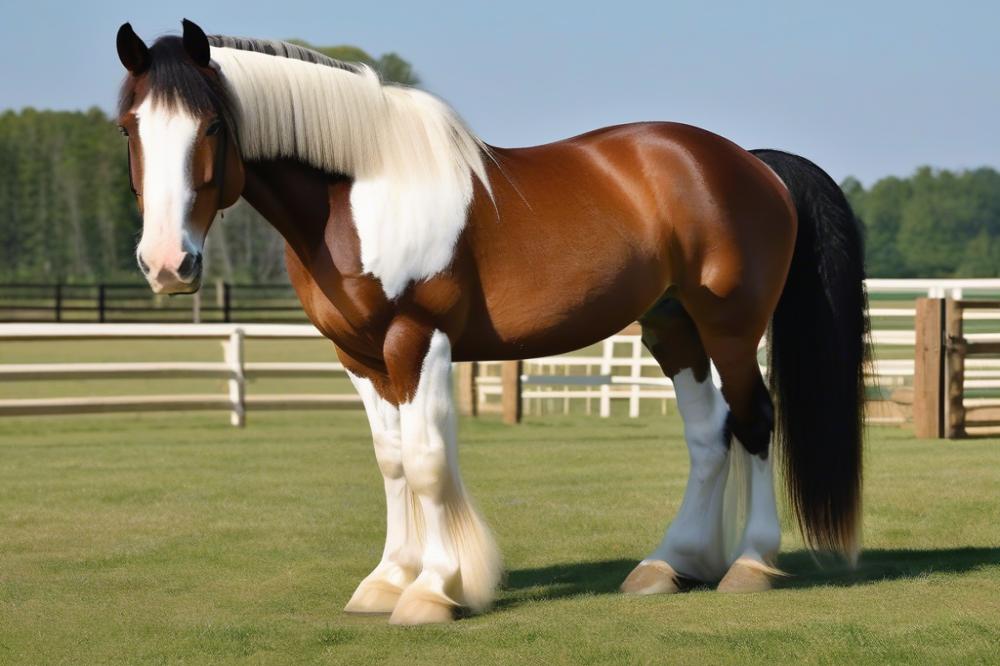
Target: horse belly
(546,312)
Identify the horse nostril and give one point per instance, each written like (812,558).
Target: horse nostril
(143,266)
(190,267)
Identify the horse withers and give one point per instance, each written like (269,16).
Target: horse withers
(412,244)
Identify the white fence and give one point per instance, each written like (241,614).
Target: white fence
(233,368)
(614,377)
(551,383)
(598,380)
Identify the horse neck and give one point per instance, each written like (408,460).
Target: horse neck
(294,198)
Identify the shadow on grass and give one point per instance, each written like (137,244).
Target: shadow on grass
(803,569)
(878,565)
(564,580)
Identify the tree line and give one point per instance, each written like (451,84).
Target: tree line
(66,212)
(935,223)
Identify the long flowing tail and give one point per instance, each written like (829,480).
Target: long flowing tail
(818,349)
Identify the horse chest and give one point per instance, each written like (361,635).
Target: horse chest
(383,250)
(346,305)
(353,313)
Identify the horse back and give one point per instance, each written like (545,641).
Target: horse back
(580,237)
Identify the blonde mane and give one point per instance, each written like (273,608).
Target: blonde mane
(340,118)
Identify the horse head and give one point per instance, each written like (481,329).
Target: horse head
(184,158)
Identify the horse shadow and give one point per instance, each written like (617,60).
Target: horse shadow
(803,569)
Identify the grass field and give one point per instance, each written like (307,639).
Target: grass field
(155,539)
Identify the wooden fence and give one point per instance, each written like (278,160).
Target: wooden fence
(510,388)
(134,302)
(600,380)
(948,364)
(233,368)
(221,301)
(591,381)
(236,370)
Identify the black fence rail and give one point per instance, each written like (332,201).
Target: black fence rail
(116,302)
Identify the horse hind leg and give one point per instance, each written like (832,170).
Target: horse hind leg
(693,547)
(731,335)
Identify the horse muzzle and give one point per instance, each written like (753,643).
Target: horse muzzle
(182,278)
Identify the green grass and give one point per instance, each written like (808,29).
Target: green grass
(175,538)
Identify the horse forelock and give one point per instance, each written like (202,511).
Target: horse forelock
(173,80)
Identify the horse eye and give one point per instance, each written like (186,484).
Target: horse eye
(214,127)
(124,132)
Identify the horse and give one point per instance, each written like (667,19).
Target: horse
(413,244)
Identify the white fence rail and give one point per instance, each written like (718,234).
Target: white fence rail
(233,368)
(599,380)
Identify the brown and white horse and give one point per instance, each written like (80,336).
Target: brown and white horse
(412,244)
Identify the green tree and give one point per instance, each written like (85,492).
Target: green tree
(882,211)
(981,258)
(390,66)
(936,223)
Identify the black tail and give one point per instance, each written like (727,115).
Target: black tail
(817,355)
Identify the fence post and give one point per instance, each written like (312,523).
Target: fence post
(636,372)
(100,302)
(233,352)
(196,307)
(510,396)
(468,404)
(954,407)
(226,303)
(59,301)
(607,355)
(928,369)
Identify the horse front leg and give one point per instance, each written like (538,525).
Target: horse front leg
(460,564)
(400,563)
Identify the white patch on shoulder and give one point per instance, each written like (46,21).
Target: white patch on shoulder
(408,231)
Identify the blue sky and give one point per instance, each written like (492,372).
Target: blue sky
(863,88)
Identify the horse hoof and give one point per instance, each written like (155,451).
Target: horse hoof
(373,598)
(417,606)
(746,576)
(652,577)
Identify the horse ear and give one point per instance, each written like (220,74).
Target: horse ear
(132,51)
(196,43)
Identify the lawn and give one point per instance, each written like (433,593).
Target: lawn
(175,538)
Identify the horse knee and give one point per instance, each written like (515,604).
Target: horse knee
(389,453)
(425,464)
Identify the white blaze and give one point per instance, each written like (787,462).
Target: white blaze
(167,135)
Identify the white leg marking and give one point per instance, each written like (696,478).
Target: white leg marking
(400,562)
(461,565)
(752,560)
(762,536)
(693,544)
